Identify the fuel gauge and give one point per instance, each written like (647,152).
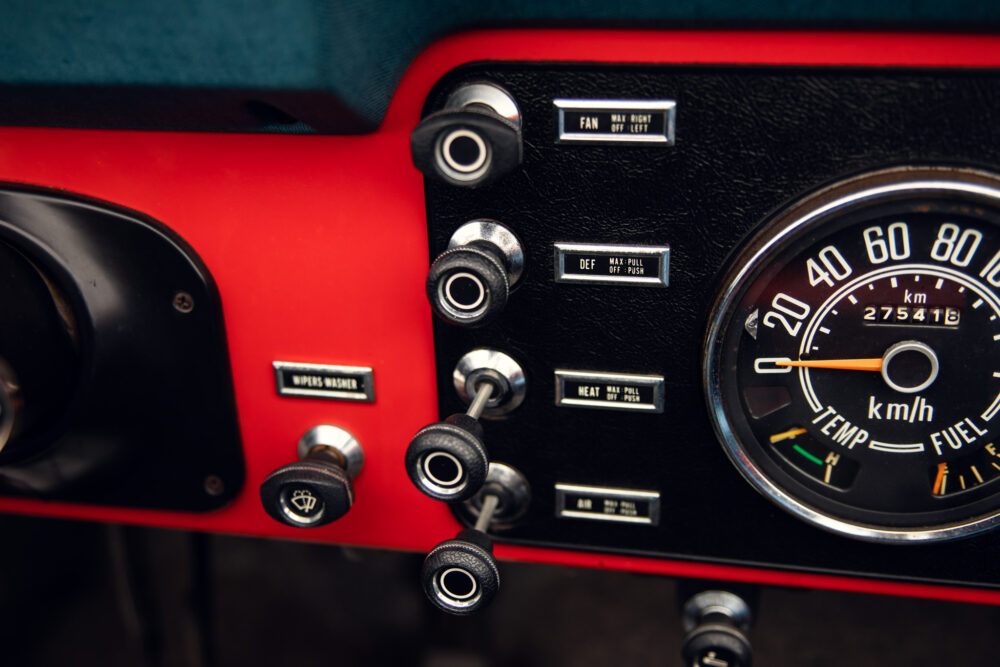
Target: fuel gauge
(966,473)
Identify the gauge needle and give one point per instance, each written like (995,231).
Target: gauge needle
(839,364)
(939,480)
(785,435)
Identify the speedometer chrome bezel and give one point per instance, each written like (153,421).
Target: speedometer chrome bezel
(783,229)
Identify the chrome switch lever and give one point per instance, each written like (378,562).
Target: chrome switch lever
(448,460)
(460,576)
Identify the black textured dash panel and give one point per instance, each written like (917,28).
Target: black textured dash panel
(748,142)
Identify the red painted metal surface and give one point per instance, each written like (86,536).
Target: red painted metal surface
(298,232)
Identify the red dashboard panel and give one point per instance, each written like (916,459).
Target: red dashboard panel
(318,245)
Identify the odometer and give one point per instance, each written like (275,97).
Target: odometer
(853,356)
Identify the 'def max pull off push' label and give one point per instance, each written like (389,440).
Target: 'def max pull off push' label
(342,383)
(603,504)
(616,121)
(612,264)
(609,391)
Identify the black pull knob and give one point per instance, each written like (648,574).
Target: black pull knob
(448,460)
(717,622)
(317,489)
(468,284)
(473,141)
(460,576)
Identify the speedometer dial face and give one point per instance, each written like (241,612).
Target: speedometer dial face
(853,357)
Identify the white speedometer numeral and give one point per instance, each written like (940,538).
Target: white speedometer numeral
(992,270)
(894,243)
(833,263)
(955,245)
(786,305)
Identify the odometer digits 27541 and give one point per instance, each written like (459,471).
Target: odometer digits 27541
(853,356)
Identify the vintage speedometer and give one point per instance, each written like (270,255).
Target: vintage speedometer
(852,359)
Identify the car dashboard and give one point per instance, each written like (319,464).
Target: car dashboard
(716,304)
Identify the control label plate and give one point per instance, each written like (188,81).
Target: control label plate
(341,383)
(610,391)
(604,504)
(616,121)
(612,264)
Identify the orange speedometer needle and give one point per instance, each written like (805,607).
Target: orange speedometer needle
(838,364)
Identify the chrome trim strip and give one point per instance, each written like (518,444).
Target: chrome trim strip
(608,491)
(364,374)
(659,252)
(653,381)
(667,107)
(599,492)
(569,514)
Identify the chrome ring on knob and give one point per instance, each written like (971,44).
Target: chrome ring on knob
(499,368)
(338,439)
(490,231)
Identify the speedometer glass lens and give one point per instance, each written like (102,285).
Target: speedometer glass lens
(853,356)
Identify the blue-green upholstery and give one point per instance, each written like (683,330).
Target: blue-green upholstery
(350,53)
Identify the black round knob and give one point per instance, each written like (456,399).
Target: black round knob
(469,147)
(717,645)
(448,460)
(468,285)
(308,493)
(460,576)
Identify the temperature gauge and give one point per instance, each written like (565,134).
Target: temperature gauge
(809,456)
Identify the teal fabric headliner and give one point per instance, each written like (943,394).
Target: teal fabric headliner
(357,50)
